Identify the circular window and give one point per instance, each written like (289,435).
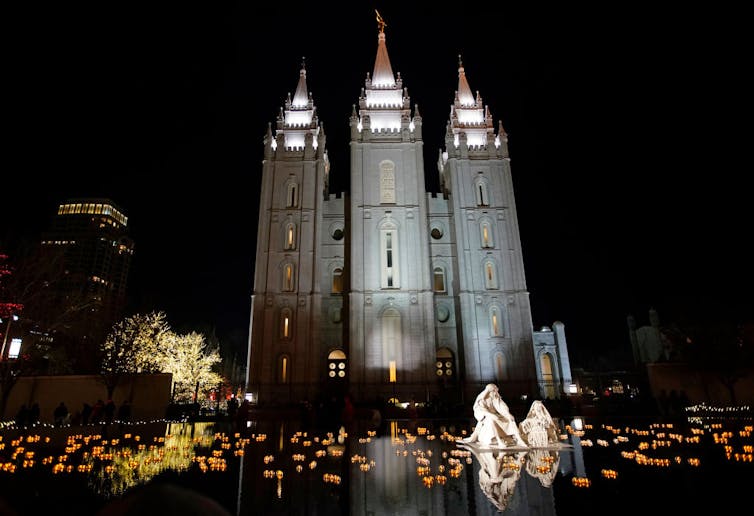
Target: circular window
(342,374)
(439,364)
(332,374)
(436,233)
(448,364)
(341,365)
(449,372)
(439,372)
(337,234)
(443,314)
(332,365)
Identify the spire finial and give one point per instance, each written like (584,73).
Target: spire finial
(460,61)
(380,22)
(303,63)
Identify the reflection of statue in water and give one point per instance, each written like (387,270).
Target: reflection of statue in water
(498,473)
(543,465)
(495,424)
(538,429)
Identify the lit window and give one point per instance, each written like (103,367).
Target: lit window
(444,363)
(288,277)
(439,275)
(286,323)
(290,236)
(490,279)
(336,363)
(389,258)
(392,337)
(15,348)
(495,321)
(499,367)
(284,367)
(486,234)
(337,281)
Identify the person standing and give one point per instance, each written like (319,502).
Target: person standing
(60,414)
(86,412)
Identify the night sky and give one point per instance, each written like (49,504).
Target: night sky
(621,122)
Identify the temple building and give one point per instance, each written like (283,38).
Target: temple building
(390,291)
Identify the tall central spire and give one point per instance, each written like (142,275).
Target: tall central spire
(384,104)
(383,72)
(464,91)
(301,97)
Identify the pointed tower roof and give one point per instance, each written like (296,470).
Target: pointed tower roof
(298,118)
(465,97)
(383,72)
(470,117)
(301,97)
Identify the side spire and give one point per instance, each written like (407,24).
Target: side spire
(465,97)
(470,120)
(301,97)
(298,123)
(383,72)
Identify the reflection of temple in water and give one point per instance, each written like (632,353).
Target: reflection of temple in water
(393,487)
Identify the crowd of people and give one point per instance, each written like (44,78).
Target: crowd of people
(101,412)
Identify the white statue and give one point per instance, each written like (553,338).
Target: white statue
(538,429)
(495,424)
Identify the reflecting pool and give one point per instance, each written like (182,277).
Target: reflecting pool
(402,467)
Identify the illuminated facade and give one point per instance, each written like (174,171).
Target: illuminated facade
(89,238)
(390,291)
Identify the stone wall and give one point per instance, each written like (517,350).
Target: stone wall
(699,387)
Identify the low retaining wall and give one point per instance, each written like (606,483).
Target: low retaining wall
(149,395)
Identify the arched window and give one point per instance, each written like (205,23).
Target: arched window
(337,281)
(290,236)
(486,233)
(286,323)
(439,279)
(496,327)
(548,378)
(444,364)
(499,367)
(387,182)
(284,369)
(490,275)
(291,195)
(391,340)
(337,365)
(389,257)
(288,277)
(482,196)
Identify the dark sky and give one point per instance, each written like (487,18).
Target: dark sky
(621,125)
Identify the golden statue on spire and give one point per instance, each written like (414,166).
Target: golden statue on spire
(380,22)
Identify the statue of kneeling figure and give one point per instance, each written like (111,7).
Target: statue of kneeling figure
(538,429)
(495,424)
